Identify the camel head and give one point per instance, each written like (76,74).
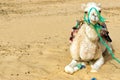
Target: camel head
(92,12)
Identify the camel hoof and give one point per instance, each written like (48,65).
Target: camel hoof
(69,69)
(93,70)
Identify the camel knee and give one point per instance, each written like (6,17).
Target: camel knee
(70,67)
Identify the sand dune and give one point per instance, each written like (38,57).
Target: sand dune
(34,39)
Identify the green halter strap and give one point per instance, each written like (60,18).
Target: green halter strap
(101,19)
(97,28)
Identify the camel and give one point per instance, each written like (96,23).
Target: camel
(86,45)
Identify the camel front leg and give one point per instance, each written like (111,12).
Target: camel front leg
(75,56)
(97,64)
(74,50)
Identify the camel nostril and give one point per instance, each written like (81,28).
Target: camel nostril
(94,15)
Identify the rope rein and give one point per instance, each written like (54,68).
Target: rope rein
(97,28)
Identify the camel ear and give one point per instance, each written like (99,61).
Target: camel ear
(83,6)
(99,4)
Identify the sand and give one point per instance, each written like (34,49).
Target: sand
(34,39)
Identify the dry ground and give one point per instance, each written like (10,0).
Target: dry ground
(34,39)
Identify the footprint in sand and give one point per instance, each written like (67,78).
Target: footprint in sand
(15,74)
(27,72)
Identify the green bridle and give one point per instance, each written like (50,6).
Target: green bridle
(97,28)
(101,19)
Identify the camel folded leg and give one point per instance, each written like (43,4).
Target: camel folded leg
(97,64)
(72,67)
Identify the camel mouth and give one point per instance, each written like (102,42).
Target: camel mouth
(94,21)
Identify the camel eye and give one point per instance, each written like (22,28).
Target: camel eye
(86,12)
(100,11)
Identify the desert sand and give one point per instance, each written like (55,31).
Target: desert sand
(34,39)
